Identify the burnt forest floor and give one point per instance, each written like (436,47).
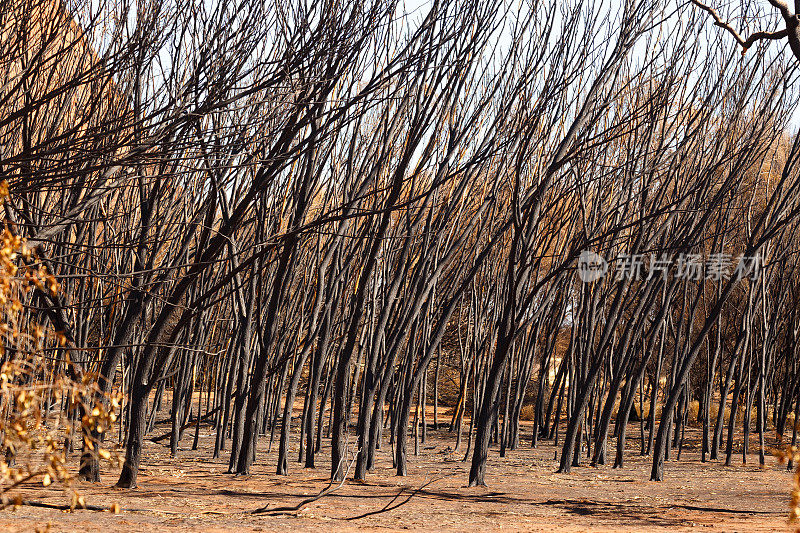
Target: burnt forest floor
(194,493)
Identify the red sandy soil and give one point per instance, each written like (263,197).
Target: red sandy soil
(193,493)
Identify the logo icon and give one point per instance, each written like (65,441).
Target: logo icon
(591,266)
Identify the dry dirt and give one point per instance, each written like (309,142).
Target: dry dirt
(193,493)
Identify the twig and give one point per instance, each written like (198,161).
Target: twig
(59,507)
(387,508)
(294,508)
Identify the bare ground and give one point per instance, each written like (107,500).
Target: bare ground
(193,493)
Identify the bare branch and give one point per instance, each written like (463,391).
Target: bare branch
(757,36)
(782,7)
